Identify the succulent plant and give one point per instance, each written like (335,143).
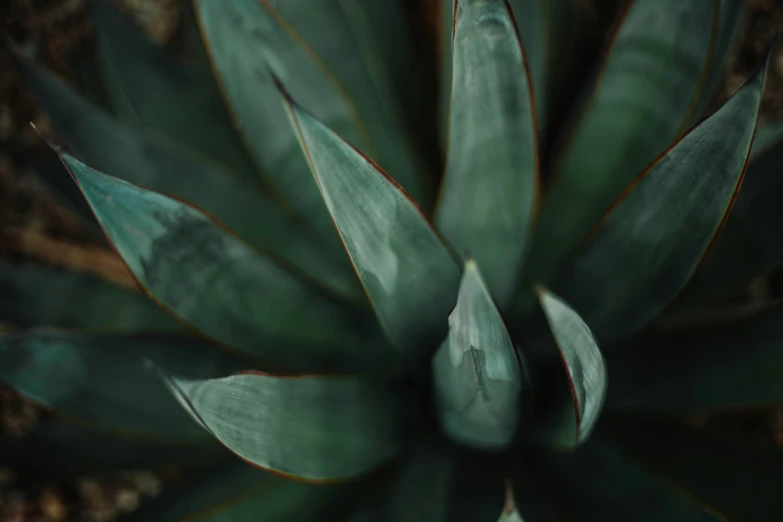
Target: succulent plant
(478,390)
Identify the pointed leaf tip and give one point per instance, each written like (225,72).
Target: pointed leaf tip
(477,372)
(573,421)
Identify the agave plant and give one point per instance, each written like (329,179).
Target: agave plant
(477,388)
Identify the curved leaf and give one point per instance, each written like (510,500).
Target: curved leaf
(408,274)
(748,245)
(598,484)
(108,144)
(736,477)
(148,86)
(489,193)
(248,43)
(34,295)
(571,424)
(477,374)
(434,485)
(355,38)
(211,279)
(314,428)
(715,367)
(653,239)
(102,380)
(239,493)
(641,97)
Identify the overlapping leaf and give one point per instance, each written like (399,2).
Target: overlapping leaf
(102,380)
(108,144)
(489,193)
(366,46)
(410,277)
(648,82)
(148,86)
(34,295)
(248,42)
(747,246)
(436,485)
(599,484)
(650,243)
(477,374)
(714,367)
(731,16)
(737,477)
(211,279)
(571,421)
(316,428)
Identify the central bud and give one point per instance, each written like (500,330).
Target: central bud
(477,373)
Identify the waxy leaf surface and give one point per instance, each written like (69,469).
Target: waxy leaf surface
(477,374)
(651,242)
(407,272)
(571,424)
(214,281)
(316,428)
(489,194)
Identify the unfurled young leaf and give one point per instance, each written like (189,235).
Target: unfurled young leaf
(202,273)
(409,275)
(315,428)
(478,379)
(650,243)
(571,421)
(490,191)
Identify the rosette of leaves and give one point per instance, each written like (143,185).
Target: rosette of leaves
(408,353)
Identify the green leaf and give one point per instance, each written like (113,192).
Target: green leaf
(571,423)
(239,493)
(103,380)
(653,239)
(204,274)
(357,40)
(477,373)
(747,245)
(638,103)
(248,42)
(490,190)
(315,428)
(546,31)
(598,484)
(108,144)
(150,87)
(708,368)
(57,450)
(34,295)
(437,485)
(732,16)
(736,477)
(407,272)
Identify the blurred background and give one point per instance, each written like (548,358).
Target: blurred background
(41,223)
